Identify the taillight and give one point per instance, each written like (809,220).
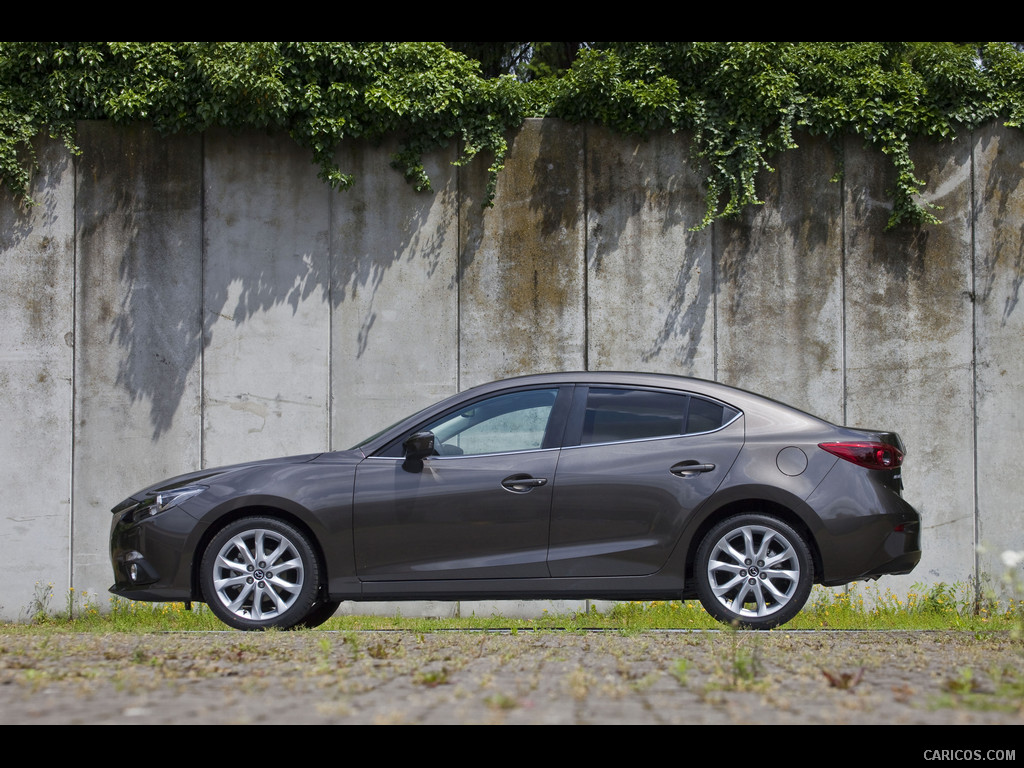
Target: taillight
(868,455)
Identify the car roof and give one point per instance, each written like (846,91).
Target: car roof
(629,378)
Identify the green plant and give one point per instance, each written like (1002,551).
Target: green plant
(321,93)
(325,650)
(432,677)
(639,615)
(745,666)
(936,606)
(680,670)
(1004,691)
(740,103)
(39,607)
(743,669)
(939,597)
(79,604)
(744,102)
(964,682)
(379,650)
(501,701)
(349,639)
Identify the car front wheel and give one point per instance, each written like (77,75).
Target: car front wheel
(260,573)
(753,571)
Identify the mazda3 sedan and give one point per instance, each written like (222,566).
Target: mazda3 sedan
(619,486)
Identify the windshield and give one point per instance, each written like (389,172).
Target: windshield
(375,435)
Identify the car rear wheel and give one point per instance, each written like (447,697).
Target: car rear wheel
(753,571)
(260,573)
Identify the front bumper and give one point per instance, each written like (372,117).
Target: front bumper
(151,559)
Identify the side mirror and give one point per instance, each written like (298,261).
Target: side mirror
(419,446)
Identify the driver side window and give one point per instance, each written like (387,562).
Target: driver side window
(516,421)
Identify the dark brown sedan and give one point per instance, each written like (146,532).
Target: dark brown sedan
(571,485)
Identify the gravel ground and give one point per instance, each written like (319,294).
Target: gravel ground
(524,678)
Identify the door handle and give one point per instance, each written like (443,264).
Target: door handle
(522,483)
(691,468)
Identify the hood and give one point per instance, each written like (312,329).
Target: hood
(206,474)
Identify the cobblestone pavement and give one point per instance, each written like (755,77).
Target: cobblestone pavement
(524,678)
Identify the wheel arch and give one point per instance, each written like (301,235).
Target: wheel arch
(753,504)
(255,510)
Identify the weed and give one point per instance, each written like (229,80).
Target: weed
(579,682)
(240,651)
(350,640)
(39,607)
(673,614)
(680,671)
(1006,693)
(378,651)
(501,701)
(746,665)
(964,682)
(1010,685)
(431,678)
(941,597)
(866,606)
(324,660)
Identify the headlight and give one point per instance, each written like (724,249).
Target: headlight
(161,501)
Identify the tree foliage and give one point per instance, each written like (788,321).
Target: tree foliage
(740,103)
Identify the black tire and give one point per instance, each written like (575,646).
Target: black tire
(260,573)
(320,613)
(753,571)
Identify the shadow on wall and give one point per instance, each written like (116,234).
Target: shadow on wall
(37,245)
(642,206)
(179,235)
(1004,250)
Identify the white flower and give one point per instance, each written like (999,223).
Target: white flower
(1012,559)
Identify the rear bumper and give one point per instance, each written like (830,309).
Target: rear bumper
(899,553)
(868,529)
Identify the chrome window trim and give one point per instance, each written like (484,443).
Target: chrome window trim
(469,455)
(731,421)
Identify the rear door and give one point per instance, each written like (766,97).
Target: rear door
(637,463)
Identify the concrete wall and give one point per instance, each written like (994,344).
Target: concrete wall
(173,303)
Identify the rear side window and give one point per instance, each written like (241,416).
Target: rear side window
(706,416)
(617,415)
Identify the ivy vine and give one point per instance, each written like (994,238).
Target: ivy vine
(741,103)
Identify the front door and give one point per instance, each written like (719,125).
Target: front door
(479,509)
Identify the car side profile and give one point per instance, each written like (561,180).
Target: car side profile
(619,486)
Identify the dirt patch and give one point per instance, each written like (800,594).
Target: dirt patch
(527,677)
